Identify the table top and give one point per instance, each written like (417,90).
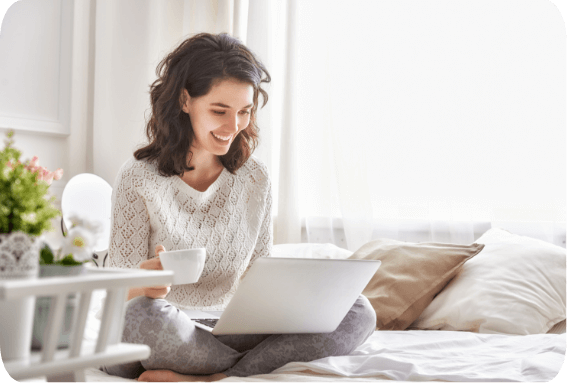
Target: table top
(93,279)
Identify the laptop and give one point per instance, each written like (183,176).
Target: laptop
(290,296)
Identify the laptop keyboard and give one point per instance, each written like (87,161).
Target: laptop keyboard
(207,322)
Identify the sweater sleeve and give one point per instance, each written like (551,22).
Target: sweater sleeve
(264,242)
(130,223)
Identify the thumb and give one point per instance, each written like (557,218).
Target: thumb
(159,249)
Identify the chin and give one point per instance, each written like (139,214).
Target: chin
(220,152)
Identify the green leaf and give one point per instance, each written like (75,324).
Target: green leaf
(46,255)
(68,261)
(21,194)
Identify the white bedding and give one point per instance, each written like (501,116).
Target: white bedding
(410,355)
(447,355)
(427,355)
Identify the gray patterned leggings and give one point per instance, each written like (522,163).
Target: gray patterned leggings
(179,346)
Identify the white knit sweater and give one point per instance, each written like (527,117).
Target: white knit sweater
(231,219)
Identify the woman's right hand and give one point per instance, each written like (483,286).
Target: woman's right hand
(155,292)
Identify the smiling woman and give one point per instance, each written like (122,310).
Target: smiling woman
(196,185)
(194,89)
(218,119)
(215,126)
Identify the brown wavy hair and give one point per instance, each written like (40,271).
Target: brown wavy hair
(196,65)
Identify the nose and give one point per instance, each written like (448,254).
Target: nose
(233,123)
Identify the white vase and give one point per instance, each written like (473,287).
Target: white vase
(19,259)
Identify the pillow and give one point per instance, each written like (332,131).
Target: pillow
(409,277)
(310,250)
(516,285)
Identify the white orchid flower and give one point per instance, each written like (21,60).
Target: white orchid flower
(79,242)
(94,226)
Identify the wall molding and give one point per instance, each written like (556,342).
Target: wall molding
(59,126)
(44,127)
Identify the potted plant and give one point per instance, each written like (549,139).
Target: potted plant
(25,206)
(26,211)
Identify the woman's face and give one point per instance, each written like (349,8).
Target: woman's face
(220,115)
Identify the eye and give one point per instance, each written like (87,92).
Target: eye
(218,112)
(244,112)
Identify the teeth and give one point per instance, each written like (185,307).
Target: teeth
(224,138)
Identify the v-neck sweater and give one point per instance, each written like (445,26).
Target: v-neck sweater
(231,219)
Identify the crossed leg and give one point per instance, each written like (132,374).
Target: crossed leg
(183,352)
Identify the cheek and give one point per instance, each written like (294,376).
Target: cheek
(245,122)
(204,124)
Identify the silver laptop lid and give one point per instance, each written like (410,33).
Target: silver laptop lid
(295,295)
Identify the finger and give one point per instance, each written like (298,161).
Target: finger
(156,263)
(151,264)
(156,292)
(159,249)
(159,287)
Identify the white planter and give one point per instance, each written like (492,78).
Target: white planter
(19,259)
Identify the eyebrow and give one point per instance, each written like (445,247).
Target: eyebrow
(226,106)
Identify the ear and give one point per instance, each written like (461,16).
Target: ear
(184,100)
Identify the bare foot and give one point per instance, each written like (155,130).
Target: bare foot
(170,376)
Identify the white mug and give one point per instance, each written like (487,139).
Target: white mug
(187,264)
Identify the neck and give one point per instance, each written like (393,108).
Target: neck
(206,166)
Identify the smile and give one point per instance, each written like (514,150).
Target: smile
(222,138)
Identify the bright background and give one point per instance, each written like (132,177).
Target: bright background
(414,120)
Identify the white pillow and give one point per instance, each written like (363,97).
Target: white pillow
(515,285)
(310,250)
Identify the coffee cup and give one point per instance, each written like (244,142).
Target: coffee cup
(186,264)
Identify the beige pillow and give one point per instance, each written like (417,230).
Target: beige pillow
(410,276)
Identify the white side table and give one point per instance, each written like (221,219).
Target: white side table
(69,364)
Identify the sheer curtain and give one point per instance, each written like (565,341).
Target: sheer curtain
(117,46)
(430,121)
(126,41)
(129,38)
(413,120)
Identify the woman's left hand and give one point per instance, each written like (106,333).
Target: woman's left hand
(155,292)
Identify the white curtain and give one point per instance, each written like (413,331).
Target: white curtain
(411,120)
(131,37)
(430,120)
(118,46)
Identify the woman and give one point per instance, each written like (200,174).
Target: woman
(196,185)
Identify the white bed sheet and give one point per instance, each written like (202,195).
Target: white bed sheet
(406,355)
(413,355)
(447,355)
(427,355)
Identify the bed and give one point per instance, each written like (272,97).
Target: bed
(491,311)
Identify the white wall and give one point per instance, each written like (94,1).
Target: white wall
(35,80)
(30,63)
(50,95)
(121,84)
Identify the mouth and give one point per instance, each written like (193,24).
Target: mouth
(222,139)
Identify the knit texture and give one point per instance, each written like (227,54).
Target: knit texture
(231,219)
